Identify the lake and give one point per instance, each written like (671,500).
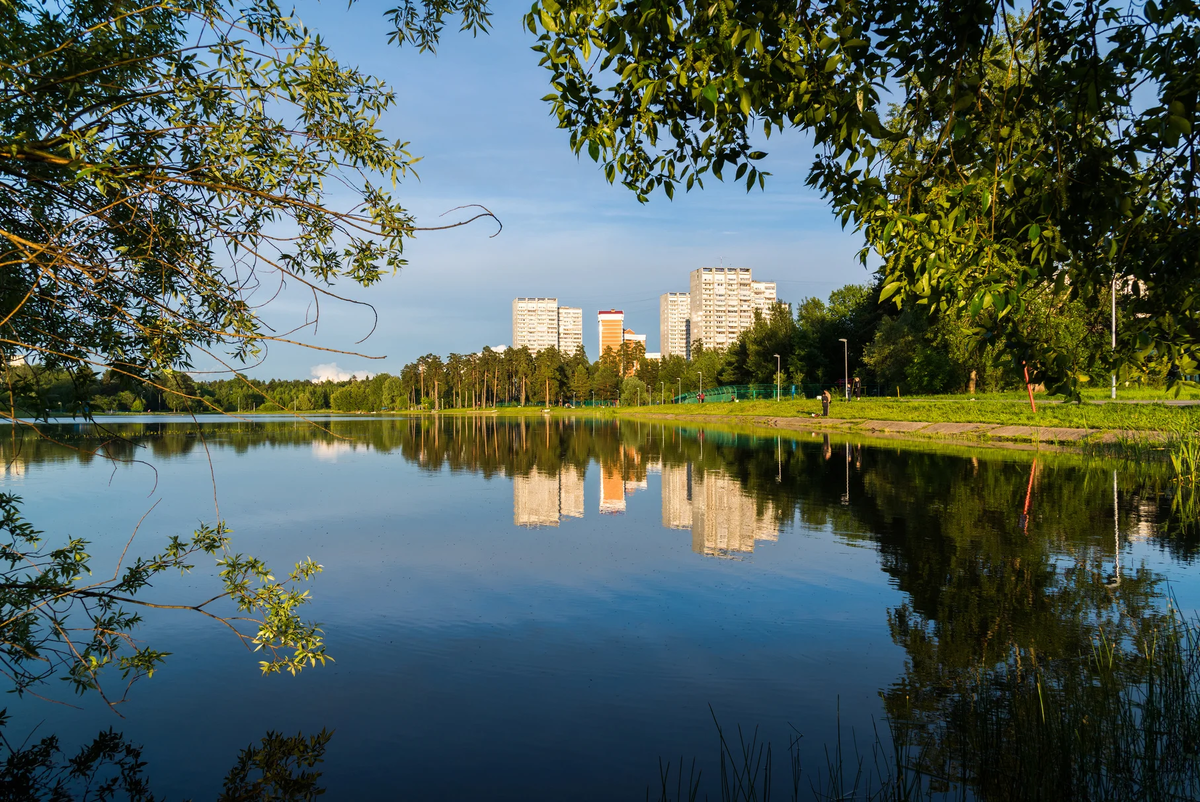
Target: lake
(542,609)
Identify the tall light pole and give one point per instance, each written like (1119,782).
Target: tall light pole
(846,365)
(701,392)
(662,393)
(1114,332)
(680,388)
(777,377)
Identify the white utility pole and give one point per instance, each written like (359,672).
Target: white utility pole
(846,365)
(1114,332)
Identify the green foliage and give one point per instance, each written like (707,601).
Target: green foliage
(581,383)
(634,392)
(110,767)
(280,767)
(1052,152)
(150,159)
(606,382)
(44,588)
(179,390)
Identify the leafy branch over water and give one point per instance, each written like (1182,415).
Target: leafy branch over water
(54,621)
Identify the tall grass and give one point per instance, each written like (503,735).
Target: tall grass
(1185,458)
(1119,723)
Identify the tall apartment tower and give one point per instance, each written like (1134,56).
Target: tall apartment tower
(612,329)
(541,323)
(723,301)
(674,316)
(535,323)
(762,296)
(570,330)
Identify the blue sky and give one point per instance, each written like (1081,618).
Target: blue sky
(473,112)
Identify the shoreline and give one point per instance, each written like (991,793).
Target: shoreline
(1022,436)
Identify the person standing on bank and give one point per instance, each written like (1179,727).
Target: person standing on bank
(825,399)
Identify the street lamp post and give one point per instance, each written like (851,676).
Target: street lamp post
(701,392)
(662,393)
(593,398)
(1114,332)
(777,377)
(846,366)
(680,388)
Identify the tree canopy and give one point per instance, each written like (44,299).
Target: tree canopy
(983,155)
(165,169)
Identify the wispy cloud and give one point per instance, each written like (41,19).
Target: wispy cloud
(330,372)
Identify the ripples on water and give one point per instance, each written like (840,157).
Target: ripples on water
(542,609)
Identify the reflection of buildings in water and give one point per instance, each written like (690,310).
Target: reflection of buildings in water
(612,488)
(330,450)
(570,492)
(724,519)
(631,464)
(542,499)
(677,496)
(14,468)
(535,499)
(1145,521)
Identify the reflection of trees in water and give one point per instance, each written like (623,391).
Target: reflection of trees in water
(277,769)
(1006,568)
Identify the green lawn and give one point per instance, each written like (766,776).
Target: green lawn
(958,409)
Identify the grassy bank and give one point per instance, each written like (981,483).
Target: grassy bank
(1133,417)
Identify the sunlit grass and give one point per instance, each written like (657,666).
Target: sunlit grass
(958,409)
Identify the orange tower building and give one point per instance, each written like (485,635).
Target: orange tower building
(612,329)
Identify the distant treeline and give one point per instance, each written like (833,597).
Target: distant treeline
(912,351)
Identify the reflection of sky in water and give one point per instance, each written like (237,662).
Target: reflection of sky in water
(330,450)
(499,637)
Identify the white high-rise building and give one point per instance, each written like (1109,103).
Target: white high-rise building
(541,323)
(674,316)
(762,296)
(723,301)
(570,330)
(535,323)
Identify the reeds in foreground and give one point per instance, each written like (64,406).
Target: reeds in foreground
(1120,723)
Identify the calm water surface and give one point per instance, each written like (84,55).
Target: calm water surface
(541,610)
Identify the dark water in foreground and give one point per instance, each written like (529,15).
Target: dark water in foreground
(541,610)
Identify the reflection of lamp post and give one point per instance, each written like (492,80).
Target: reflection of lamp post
(846,495)
(846,365)
(777,369)
(1115,580)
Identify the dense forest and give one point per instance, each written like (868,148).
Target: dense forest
(910,352)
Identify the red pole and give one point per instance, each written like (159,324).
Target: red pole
(1029,389)
(1028,498)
